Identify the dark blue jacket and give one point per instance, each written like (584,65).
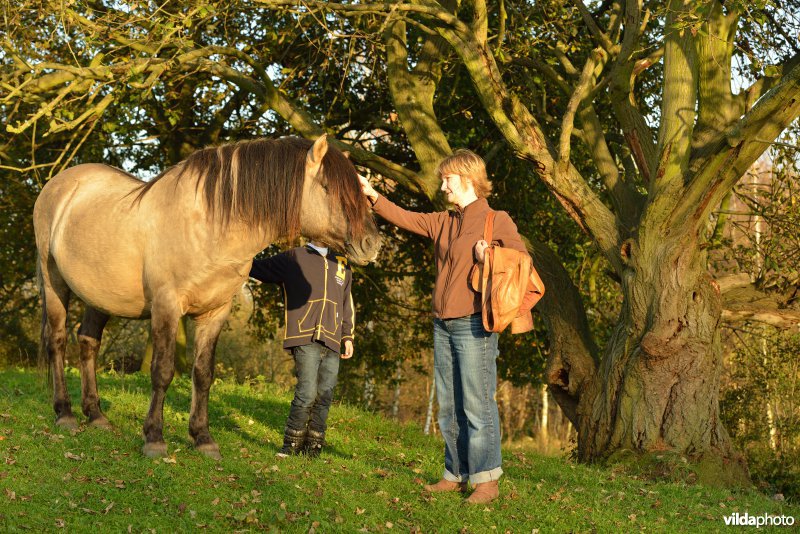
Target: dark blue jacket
(319,306)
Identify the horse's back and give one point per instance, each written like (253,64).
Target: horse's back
(88,225)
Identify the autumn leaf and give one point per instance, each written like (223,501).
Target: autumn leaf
(72,456)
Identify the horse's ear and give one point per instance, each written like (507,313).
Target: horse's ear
(316,153)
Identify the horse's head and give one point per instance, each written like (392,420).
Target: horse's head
(340,217)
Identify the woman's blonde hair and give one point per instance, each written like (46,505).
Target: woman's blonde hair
(467,164)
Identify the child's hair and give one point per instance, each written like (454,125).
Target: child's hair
(467,164)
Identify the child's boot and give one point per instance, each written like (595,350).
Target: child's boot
(314,442)
(293,442)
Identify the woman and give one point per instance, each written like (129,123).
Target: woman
(464,353)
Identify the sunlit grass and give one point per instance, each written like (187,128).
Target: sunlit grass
(369,478)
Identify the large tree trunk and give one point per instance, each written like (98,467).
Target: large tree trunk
(657,386)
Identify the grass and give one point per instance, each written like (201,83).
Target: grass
(368,479)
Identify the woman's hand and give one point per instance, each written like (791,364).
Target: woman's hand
(367,189)
(480,250)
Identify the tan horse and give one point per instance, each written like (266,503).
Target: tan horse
(181,244)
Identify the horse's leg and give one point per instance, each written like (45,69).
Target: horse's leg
(55,303)
(209,326)
(89,335)
(164,326)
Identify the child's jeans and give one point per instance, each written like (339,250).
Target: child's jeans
(316,368)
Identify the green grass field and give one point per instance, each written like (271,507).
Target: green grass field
(368,479)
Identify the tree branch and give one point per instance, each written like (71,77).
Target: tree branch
(413,96)
(738,148)
(747,303)
(573,354)
(638,135)
(716,105)
(678,105)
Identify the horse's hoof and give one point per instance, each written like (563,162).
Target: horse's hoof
(210,450)
(101,422)
(67,422)
(155,449)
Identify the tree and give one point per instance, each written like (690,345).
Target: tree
(642,185)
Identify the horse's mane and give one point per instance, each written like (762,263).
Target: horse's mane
(261,183)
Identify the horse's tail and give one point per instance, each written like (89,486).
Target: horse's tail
(43,360)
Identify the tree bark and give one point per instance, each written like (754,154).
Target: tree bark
(657,385)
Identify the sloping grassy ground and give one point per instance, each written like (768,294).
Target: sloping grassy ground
(368,479)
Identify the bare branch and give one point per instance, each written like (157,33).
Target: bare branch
(747,303)
(601,38)
(593,64)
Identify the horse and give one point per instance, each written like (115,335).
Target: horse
(181,244)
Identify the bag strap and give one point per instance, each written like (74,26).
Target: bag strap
(486,290)
(488,226)
(486,270)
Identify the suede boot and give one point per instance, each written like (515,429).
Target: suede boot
(484,493)
(446,485)
(293,442)
(314,443)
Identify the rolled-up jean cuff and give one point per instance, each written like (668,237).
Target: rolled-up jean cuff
(486,476)
(451,477)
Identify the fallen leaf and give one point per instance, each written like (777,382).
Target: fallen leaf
(389,524)
(12,495)
(72,456)
(170,460)
(215,502)
(251,517)
(359,511)
(60,523)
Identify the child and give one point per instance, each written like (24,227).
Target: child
(319,319)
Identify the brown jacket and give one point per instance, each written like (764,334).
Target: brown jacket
(454,235)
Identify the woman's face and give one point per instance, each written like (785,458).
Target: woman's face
(453,187)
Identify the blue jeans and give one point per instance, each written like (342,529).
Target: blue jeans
(316,368)
(465,365)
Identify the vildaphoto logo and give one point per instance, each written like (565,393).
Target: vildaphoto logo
(765,520)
